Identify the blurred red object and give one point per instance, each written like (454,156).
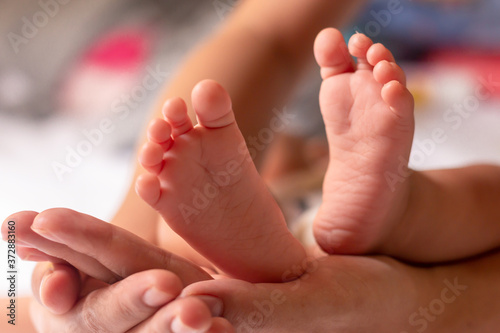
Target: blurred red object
(485,66)
(124,49)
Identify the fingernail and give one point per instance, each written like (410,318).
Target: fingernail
(178,326)
(155,298)
(46,277)
(46,234)
(35,257)
(215,304)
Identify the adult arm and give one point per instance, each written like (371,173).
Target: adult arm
(117,272)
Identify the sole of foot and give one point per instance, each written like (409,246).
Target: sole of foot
(203,182)
(368,114)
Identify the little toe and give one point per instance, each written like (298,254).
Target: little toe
(159,131)
(176,114)
(377,53)
(148,188)
(359,44)
(212,105)
(399,99)
(385,72)
(332,54)
(151,157)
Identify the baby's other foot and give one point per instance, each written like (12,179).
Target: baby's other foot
(368,114)
(203,182)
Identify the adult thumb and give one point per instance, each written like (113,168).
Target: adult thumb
(249,307)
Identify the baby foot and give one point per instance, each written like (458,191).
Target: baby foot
(204,184)
(368,114)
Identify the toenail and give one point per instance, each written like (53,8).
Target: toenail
(361,40)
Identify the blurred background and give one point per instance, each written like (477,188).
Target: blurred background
(79,80)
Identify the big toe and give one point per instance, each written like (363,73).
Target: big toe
(332,54)
(212,105)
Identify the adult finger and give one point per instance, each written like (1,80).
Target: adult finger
(112,253)
(251,307)
(115,308)
(56,286)
(26,237)
(31,254)
(184,315)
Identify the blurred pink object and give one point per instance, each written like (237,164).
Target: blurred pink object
(107,70)
(485,66)
(122,50)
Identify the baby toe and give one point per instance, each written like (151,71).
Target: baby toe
(332,54)
(399,99)
(176,114)
(148,188)
(212,105)
(159,131)
(385,72)
(359,44)
(151,157)
(377,53)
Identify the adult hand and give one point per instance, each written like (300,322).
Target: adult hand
(338,294)
(341,294)
(142,302)
(70,301)
(101,250)
(130,305)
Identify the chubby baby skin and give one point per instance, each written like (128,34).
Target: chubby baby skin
(372,202)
